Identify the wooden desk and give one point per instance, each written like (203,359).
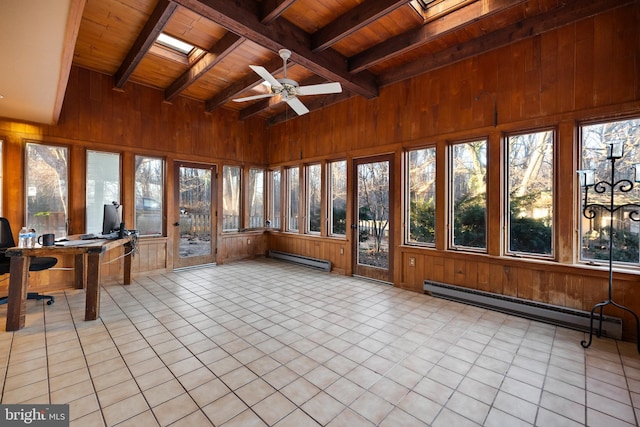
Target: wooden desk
(87,256)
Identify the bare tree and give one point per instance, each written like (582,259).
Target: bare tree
(373,194)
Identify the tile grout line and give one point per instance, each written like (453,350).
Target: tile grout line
(164,363)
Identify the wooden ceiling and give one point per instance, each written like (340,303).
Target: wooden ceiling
(364,45)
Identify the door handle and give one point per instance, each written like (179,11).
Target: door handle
(176,224)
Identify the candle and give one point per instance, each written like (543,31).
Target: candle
(587,177)
(615,149)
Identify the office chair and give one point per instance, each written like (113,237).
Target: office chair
(37,263)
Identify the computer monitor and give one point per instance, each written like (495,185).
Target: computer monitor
(112,218)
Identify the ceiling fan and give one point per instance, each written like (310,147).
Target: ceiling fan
(288,89)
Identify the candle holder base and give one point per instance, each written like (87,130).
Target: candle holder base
(601,305)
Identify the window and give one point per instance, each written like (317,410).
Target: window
(314,206)
(293,199)
(176,50)
(103,186)
(47,170)
(230,198)
(256,198)
(275,210)
(149,192)
(468,194)
(175,44)
(530,193)
(338,198)
(596,232)
(421,170)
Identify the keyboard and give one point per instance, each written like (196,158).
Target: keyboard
(76,242)
(92,236)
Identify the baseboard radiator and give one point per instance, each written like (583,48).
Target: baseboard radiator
(547,313)
(319,264)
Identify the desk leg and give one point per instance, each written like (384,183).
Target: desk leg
(18,282)
(128,261)
(92,301)
(78,269)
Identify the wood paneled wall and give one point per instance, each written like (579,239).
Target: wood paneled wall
(132,121)
(575,72)
(242,245)
(584,71)
(332,249)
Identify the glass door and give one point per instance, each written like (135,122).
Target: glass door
(373,218)
(195,234)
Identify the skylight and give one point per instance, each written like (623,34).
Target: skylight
(175,44)
(420,6)
(423,3)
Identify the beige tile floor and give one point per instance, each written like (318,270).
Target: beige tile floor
(263,342)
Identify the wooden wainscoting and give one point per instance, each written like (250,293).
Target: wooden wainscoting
(331,249)
(235,246)
(151,256)
(573,286)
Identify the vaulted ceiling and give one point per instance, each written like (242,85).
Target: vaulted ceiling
(362,44)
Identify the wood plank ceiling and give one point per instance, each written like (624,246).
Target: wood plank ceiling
(364,45)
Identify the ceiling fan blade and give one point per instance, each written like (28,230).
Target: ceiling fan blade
(251,98)
(297,106)
(319,89)
(262,72)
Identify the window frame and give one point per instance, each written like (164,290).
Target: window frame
(162,201)
(272,197)
(119,201)
(451,202)
(307,198)
(330,198)
(238,198)
(507,196)
(407,196)
(620,174)
(250,184)
(288,202)
(40,230)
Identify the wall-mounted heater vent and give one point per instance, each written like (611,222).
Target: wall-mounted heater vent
(556,315)
(320,264)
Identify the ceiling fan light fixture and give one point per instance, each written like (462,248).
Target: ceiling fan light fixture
(288,89)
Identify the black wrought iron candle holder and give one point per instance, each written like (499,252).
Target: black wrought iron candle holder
(614,151)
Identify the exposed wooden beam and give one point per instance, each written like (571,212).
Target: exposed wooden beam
(258,107)
(422,35)
(242,85)
(225,46)
(318,103)
(355,19)
(70,36)
(241,17)
(157,21)
(272,9)
(566,13)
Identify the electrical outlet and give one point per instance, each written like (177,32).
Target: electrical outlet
(412,261)
(248,241)
(341,251)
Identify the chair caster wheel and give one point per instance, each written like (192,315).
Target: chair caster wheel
(49,302)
